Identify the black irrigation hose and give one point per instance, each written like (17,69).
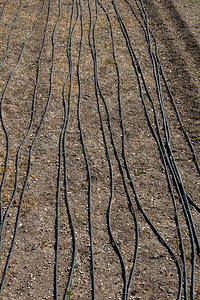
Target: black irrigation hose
(124,158)
(167,87)
(171,157)
(164,145)
(10,34)
(69,44)
(62,147)
(113,241)
(185,199)
(193,204)
(173,102)
(136,65)
(3,218)
(30,153)
(194,156)
(180,188)
(2,12)
(57,227)
(168,138)
(30,124)
(151,225)
(195,159)
(92,271)
(127,285)
(176,177)
(157,61)
(149,221)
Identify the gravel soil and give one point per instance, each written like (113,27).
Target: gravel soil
(45,174)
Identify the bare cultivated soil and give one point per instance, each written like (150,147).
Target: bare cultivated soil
(99,148)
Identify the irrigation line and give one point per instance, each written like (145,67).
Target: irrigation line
(9,38)
(57,225)
(127,285)
(92,271)
(155,117)
(178,182)
(94,56)
(171,157)
(2,12)
(154,229)
(62,147)
(190,222)
(30,152)
(139,205)
(30,125)
(173,168)
(195,159)
(168,140)
(163,143)
(194,156)
(133,58)
(180,189)
(113,241)
(193,204)
(3,218)
(176,110)
(69,44)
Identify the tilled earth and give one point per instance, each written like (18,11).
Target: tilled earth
(76,146)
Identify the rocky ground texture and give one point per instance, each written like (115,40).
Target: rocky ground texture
(99,148)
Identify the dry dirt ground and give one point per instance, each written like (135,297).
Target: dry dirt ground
(106,165)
